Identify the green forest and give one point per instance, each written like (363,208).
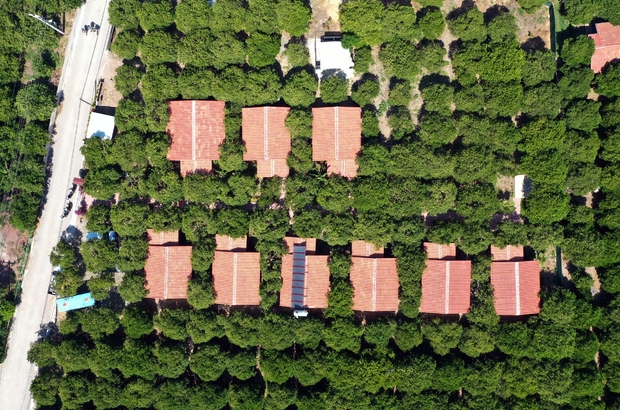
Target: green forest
(491,106)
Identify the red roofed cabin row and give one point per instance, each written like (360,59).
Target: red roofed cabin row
(197,131)
(446,282)
(236,274)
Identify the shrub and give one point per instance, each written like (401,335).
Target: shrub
(127,79)
(262,49)
(334,89)
(35,102)
(297,54)
(299,88)
(365,91)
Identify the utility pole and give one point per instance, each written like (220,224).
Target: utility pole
(47,23)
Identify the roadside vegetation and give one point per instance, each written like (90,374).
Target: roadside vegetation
(28,58)
(491,107)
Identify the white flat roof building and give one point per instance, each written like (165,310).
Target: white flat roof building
(100,125)
(330,56)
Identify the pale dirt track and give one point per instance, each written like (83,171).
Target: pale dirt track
(82,62)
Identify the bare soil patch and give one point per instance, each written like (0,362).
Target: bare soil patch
(324,17)
(109,96)
(596,286)
(12,246)
(377,69)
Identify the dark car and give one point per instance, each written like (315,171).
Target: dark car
(71,191)
(67,209)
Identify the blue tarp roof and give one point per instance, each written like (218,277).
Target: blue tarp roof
(90,236)
(75,302)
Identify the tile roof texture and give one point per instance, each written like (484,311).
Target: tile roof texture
(226,243)
(337,138)
(516,286)
(606,45)
(163,238)
(267,141)
(316,285)
(509,253)
(197,131)
(367,249)
(437,251)
(375,284)
(168,269)
(236,278)
(289,241)
(446,287)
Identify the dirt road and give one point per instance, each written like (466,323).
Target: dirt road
(77,87)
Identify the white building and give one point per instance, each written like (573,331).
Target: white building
(100,125)
(328,55)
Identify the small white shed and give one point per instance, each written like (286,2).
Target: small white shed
(100,125)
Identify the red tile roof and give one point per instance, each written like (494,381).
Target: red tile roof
(266,139)
(188,167)
(197,131)
(236,278)
(516,286)
(509,253)
(163,238)
(317,281)
(375,284)
(226,243)
(367,249)
(337,137)
(289,241)
(168,269)
(267,168)
(437,251)
(446,287)
(607,45)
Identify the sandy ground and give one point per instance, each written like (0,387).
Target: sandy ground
(596,286)
(31,314)
(384,82)
(12,243)
(109,96)
(324,17)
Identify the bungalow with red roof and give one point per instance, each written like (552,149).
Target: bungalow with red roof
(236,273)
(374,279)
(168,269)
(606,45)
(267,140)
(163,238)
(445,281)
(305,275)
(337,138)
(197,131)
(516,282)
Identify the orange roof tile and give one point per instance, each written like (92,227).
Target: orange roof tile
(310,243)
(516,286)
(437,251)
(607,45)
(266,138)
(509,253)
(367,249)
(375,284)
(163,238)
(316,285)
(168,269)
(197,131)
(337,136)
(236,278)
(446,287)
(226,243)
(346,167)
(188,167)
(267,168)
